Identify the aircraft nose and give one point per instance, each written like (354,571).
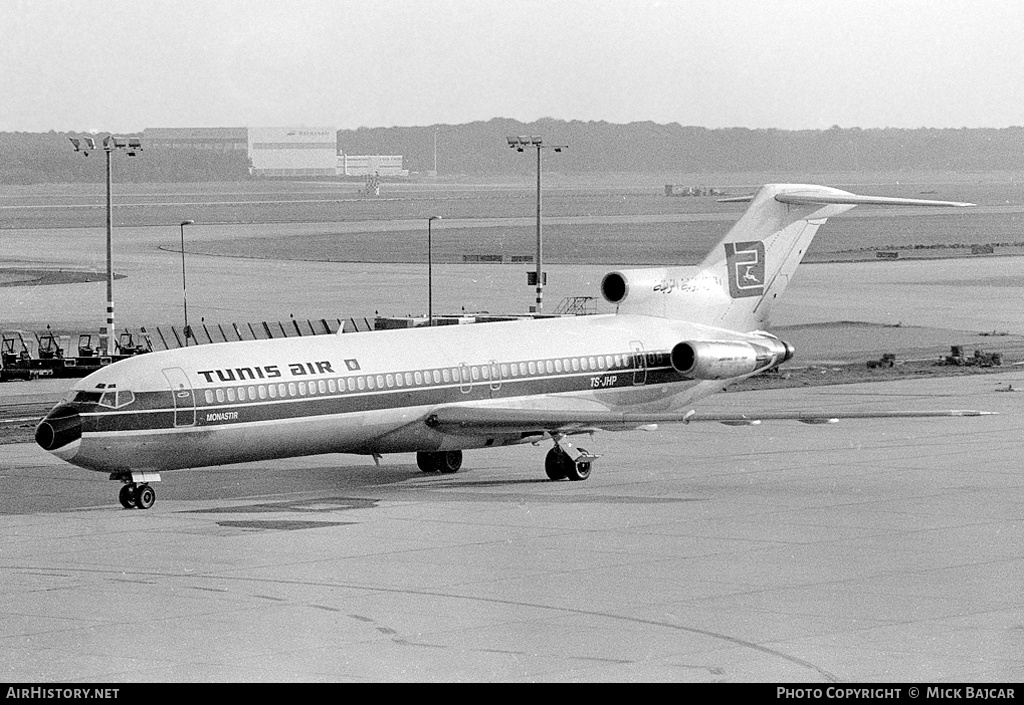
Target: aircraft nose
(61,426)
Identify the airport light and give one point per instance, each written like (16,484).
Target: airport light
(184,293)
(520,143)
(110,144)
(430,272)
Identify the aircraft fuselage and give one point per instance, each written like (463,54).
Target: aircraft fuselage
(362,392)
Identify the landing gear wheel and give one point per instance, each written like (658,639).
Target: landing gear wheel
(578,469)
(127,496)
(556,464)
(426,462)
(144,497)
(445,462)
(449,462)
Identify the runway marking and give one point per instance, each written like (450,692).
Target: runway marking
(736,641)
(314,505)
(282,525)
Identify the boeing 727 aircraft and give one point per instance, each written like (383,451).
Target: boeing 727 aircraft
(679,334)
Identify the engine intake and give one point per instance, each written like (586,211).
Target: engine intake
(723,359)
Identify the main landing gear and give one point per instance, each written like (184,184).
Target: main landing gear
(135,492)
(444,462)
(565,461)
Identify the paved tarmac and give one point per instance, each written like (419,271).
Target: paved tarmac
(966,294)
(862,551)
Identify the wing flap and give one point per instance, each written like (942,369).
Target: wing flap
(464,420)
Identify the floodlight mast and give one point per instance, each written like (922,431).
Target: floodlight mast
(109,144)
(520,143)
(430,271)
(184,293)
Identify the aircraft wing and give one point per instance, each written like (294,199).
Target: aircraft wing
(475,421)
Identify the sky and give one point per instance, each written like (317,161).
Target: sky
(124,65)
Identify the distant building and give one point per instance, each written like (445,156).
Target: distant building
(278,151)
(380,164)
(293,151)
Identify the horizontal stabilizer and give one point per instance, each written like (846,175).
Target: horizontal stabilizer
(806,198)
(465,420)
(801,198)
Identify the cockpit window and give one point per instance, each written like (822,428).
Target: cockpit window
(87,397)
(116,399)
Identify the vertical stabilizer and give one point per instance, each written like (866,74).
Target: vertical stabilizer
(737,282)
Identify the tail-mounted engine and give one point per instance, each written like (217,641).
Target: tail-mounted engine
(723,359)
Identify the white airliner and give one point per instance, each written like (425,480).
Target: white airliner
(679,334)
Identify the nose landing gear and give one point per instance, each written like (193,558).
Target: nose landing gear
(135,492)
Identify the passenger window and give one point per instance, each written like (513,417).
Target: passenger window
(273,391)
(408,379)
(575,364)
(209,396)
(419,377)
(332,385)
(533,367)
(291,389)
(549,366)
(302,389)
(220,396)
(476,373)
(241,394)
(361,383)
(263,392)
(252,393)
(369,382)
(558,365)
(231,393)
(380,381)
(437,377)
(282,391)
(446,374)
(351,384)
(504,369)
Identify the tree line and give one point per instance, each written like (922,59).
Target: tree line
(480,148)
(646,147)
(35,158)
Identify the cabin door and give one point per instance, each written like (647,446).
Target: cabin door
(183,396)
(639,363)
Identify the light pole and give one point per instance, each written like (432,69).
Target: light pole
(131,147)
(520,143)
(430,272)
(184,291)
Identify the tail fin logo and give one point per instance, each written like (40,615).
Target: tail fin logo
(745,262)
